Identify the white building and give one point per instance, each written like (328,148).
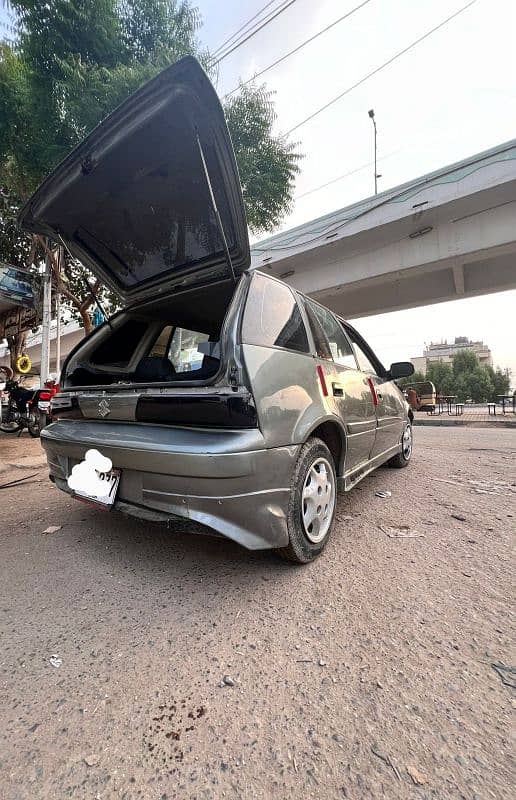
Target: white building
(443,352)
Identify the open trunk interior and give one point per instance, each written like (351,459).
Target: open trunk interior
(171,340)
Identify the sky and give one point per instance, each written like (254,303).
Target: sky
(450,97)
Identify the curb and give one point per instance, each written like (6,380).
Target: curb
(448,423)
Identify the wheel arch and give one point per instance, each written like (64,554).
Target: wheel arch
(333,435)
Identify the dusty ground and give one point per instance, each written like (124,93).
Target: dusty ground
(372,663)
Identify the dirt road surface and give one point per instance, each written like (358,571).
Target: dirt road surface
(368,674)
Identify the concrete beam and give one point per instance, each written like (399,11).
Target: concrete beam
(458,278)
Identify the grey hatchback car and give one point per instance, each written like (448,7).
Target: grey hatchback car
(218,394)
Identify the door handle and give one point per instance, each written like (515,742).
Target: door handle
(338,389)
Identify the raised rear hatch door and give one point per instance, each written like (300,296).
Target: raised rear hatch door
(134,200)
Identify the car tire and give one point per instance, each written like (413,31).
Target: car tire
(402,459)
(313,496)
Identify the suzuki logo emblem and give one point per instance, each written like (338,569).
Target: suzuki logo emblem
(104,408)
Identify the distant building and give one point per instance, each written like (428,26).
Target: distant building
(444,351)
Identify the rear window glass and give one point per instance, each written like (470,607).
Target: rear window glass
(184,353)
(119,347)
(159,348)
(272,317)
(179,354)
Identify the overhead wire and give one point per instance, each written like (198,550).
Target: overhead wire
(242,27)
(298,48)
(379,68)
(263,23)
(348,174)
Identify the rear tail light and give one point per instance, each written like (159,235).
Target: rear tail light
(45,395)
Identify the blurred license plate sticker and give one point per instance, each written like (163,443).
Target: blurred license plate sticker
(94,479)
(106,497)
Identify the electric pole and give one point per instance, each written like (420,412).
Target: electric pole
(60,257)
(45,322)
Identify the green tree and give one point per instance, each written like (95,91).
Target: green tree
(74,62)
(478,382)
(461,388)
(464,361)
(501,381)
(417,377)
(70,63)
(442,377)
(266,172)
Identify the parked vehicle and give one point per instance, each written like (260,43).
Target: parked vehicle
(217,394)
(42,400)
(18,406)
(422,395)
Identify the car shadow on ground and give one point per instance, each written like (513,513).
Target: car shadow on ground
(150,546)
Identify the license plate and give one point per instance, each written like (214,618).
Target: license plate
(106,500)
(43,405)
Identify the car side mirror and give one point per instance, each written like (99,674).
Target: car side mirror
(401,369)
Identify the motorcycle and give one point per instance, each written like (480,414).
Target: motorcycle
(19,409)
(42,399)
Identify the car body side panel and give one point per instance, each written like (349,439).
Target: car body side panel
(391,412)
(354,404)
(287,393)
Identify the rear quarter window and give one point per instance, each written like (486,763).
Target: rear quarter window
(272,317)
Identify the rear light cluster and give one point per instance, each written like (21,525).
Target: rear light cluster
(209,411)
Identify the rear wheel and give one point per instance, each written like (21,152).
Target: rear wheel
(312,503)
(402,458)
(34,423)
(10,426)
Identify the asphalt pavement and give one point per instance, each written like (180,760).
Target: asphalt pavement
(141,660)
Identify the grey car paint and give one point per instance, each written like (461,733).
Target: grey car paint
(225,479)
(237,482)
(151,202)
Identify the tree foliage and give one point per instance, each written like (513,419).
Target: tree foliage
(74,62)
(266,172)
(467,379)
(416,377)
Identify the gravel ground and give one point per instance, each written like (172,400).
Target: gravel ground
(367,674)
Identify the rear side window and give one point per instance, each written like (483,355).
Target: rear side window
(272,317)
(340,348)
(119,347)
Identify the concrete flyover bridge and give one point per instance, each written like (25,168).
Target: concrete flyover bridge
(443,236)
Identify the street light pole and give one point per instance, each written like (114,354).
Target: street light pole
(376,174)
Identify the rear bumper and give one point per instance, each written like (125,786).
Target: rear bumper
(226,480)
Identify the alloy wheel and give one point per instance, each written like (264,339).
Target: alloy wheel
(318,500)
(406,442)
